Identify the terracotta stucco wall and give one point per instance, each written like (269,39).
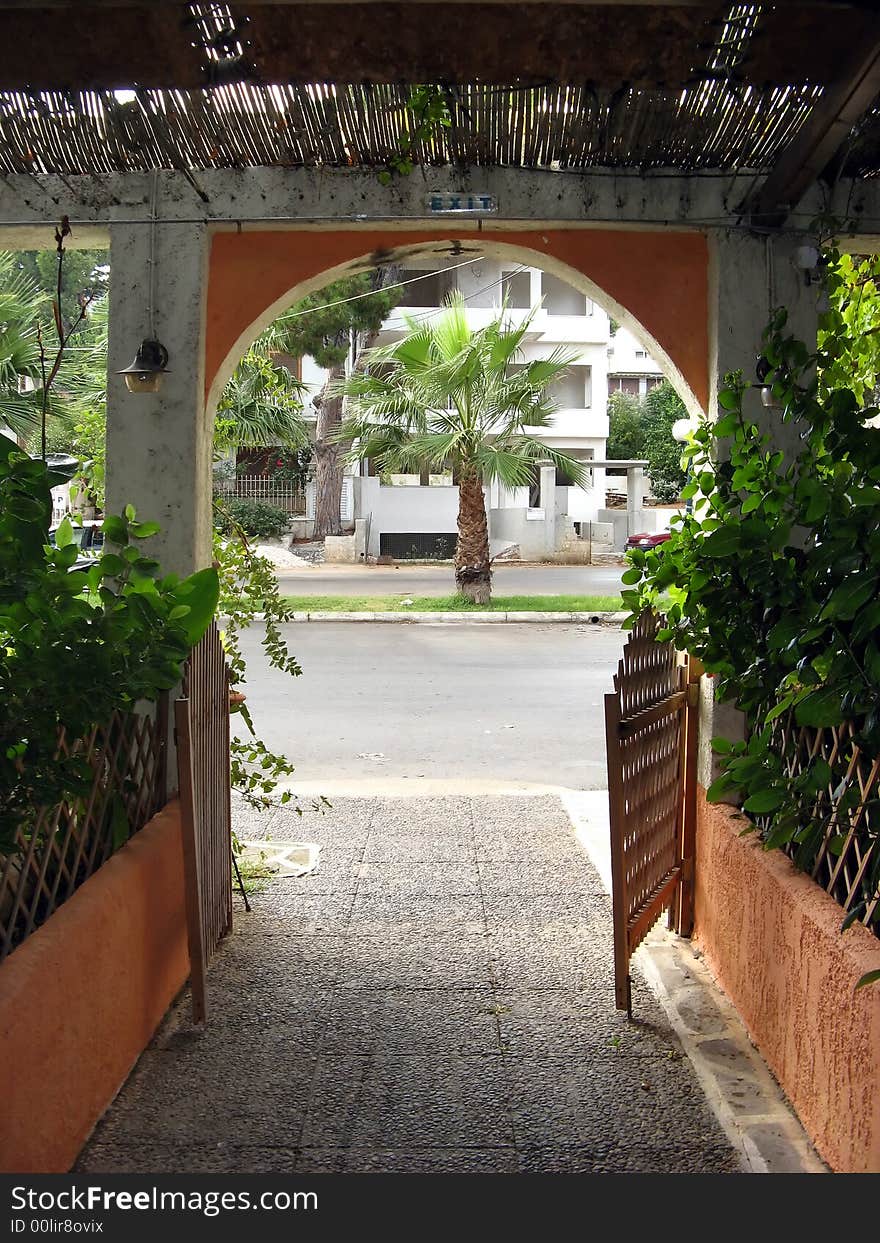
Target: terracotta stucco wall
(773,938)
(660,277)
(81,998)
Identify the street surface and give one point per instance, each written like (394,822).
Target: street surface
(429,580)
(428,709)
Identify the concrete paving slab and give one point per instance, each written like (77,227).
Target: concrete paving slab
(390,1101)
(381,1020)
(412,1022)
(501,1160)
(452,960)
(378,913)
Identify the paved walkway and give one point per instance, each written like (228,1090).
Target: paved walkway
(437,997)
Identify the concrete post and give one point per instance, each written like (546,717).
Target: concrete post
(548,504)
(635,499)
(749,277)
(159,453)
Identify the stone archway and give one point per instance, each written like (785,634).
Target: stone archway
(654,283)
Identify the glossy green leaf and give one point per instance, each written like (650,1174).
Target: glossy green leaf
(115,529)
(763,801)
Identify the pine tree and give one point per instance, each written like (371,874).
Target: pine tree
(324,326)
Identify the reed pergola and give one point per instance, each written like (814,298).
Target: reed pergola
(788,92)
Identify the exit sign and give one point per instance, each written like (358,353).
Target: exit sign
(446,204)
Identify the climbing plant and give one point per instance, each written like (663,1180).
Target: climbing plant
(774,577)
(428,110)
(249,594)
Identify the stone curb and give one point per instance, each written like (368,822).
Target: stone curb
(461,618)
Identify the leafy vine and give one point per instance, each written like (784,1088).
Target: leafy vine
(774,578)
(428,106)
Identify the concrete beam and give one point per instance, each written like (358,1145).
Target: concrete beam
(263,198)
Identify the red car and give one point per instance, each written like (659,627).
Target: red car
(644,540)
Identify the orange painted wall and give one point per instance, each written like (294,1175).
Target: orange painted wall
(773,939)
(660,277)
(81,998)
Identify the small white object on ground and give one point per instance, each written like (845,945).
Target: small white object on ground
(281,858)
(281,557)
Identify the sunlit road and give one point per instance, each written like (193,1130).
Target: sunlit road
(508,580)
(437,707)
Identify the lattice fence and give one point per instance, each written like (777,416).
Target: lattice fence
(838,845)
(70,841)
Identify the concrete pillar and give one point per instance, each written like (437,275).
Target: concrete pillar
(635,497)
(159,452)
(548,504)
(749,277)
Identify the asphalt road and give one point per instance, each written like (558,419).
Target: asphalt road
(508,580)
(432,709)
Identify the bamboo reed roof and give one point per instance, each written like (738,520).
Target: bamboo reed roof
(112,85)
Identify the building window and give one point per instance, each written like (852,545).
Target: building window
(574,390)
(623,384)
(561,298)
(429,290)
(516,290)
(641,354)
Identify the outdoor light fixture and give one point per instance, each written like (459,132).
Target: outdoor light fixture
(144,375)
(762,370)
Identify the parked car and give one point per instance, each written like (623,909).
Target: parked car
(89,539)
(644,540)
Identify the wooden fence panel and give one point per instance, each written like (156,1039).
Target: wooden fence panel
(647,745)
(202,728)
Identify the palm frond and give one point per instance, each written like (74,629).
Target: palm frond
(447,393)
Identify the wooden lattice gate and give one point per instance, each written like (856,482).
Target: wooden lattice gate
(201,719)
(651,748)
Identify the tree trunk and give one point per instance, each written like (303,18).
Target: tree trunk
(328,468)
(473,574)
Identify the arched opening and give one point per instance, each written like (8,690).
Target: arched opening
(663,278)
(653,283)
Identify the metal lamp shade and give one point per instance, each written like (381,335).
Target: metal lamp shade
(144,375)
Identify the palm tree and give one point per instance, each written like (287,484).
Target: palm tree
(22,305)
(261,405)
(447,395)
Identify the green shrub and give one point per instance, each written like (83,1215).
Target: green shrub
(254,518)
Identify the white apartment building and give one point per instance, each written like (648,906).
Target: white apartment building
(417,515)
(631,369)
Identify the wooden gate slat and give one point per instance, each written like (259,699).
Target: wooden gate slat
(202,717)
(648,747)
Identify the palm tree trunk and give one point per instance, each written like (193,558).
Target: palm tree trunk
(328,468)
(473,574)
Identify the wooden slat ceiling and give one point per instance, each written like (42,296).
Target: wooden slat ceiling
(690,86)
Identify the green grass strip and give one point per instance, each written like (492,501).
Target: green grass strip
(454,604)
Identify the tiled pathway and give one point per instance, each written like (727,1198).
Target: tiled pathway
(437,997)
